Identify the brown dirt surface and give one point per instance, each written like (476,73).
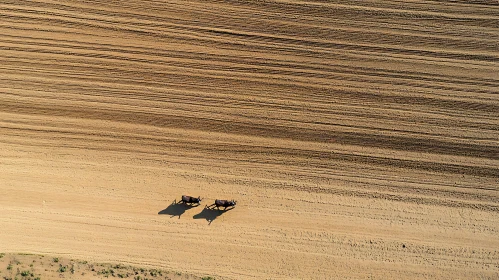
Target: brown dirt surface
(360,139)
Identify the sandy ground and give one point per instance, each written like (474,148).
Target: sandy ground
(360,139)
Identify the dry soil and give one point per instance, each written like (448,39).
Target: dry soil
(360,139)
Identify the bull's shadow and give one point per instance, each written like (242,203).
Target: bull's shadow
(176,209)
(210,213)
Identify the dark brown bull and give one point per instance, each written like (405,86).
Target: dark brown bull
(224,203)
(189,199)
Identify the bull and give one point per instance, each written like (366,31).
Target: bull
(190,200)
(224,203)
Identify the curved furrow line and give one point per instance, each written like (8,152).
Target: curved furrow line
(272,50)
(406,39)
(234,102)
(299,158)
(428,101)
(305,133)
(366,98)
(320,73)
(289,41)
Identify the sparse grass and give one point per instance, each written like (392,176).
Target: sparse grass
(62,268)
(59,266)
(119,266)
(155,272)
(106,272)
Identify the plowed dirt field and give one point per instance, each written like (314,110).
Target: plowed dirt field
(360,139)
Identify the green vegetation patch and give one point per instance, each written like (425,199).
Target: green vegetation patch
(34,268)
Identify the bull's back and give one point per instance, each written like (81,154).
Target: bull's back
(219,202)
